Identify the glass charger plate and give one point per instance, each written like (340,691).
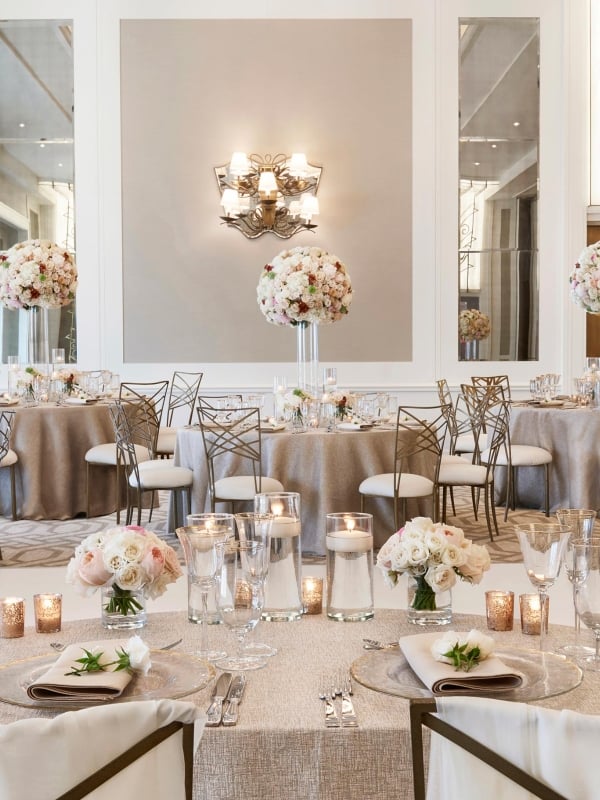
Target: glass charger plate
(171,675)
(545,674)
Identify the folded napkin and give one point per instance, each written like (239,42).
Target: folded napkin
(272,426)
(491,675)
(91,686)
(352,426)
(75,401)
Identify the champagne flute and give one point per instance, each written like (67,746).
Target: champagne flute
(581,522)
(587,599)
(543,547)
(240,598)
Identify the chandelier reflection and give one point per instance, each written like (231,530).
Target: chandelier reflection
(262,194)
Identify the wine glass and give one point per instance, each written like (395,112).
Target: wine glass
(199,540)
(581,522)
(587,598)
(256,527)
(543,547)
(240,598)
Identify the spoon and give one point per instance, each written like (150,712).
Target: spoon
(59,646)
(373,644)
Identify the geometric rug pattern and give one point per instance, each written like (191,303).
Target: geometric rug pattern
(32,543)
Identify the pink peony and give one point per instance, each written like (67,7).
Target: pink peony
(92,569)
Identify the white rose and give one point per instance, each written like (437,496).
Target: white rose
(400,559)
(421,524)
(478,639)
(443,645)
(452,534)
(131,577)
(435,541)
(453,556)
(478,561)
(440,578)
(139,654)
(416,553)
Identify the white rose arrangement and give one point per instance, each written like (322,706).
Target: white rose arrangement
(463,650)
(436,555)
(127,557)
(302,285)
(37,273)
(584,280)
(134,656)
(473,324)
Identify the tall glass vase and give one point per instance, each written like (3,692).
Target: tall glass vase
(38,351)
(307,355)
(472,350)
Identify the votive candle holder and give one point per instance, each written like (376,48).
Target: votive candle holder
(312,595)
(499,610)
(48,612)
(12,617)
(531,616)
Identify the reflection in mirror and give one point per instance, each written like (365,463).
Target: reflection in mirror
(498,168)
(36,158)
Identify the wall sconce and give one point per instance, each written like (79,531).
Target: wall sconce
(270,193)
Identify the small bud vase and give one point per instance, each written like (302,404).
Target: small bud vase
(426,607)
(123,609)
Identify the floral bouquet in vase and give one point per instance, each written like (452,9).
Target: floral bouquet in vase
(584,280)
(473,325)
(434,555)
(129,563)
(37,272)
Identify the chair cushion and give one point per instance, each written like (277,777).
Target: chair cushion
(465,443)
(464,474)
(447,458)
(106,454)
(523,455)
(167,437)
(242,487)
(410,485)
(153,476)
(9,459)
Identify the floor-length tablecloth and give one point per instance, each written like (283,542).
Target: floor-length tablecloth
(572,435)
(325,468)
(51,442)
(280,747)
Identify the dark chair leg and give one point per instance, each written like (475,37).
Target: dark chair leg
(13,493)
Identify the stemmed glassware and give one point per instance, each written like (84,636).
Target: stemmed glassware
(581,522)
(240,598)
(200,540)
(587,598)
(543,547)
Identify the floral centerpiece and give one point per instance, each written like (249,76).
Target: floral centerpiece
(304,284)
(473,325)
(435,555)
(294,402)
(584,280)
(342,405)
(127,559)
(37,273)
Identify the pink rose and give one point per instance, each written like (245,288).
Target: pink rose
(172,563)
(153,562)
(92,569)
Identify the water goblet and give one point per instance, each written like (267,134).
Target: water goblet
(240,598)
(587,598)
(581,522)
(543,547)
(199,540)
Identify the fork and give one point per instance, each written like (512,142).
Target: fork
(332,719)
(349,719)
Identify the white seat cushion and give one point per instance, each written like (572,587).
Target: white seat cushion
(465,443)
(160,474)
(167,437)
(455,459)
(410,485)
(464,474)
(242,487)
(9,459)
(523,455)
(106,454)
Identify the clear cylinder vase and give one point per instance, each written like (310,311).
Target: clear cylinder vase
(426,607)
(123,609)
(38,351)
(472,350)
(307,356)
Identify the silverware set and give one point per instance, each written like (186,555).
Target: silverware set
(226,698)
(340,686)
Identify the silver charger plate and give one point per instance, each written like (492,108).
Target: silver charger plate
(545,674)
(171,675)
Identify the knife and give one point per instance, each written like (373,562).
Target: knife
(215,710)
(234,698)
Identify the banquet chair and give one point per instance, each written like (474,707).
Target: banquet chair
(105,455)
(182,399)
(501,382)
(149,474)
(420,436)
(8,457)
(478,474)
(471,753)
(143,749)
(233,435)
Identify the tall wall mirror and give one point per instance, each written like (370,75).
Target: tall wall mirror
(36,158)
(498,189)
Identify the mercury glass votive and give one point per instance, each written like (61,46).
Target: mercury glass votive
(500,610)
(530,611)
(312,595)
(48,612)
(12,617)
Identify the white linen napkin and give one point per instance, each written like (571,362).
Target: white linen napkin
(491,675)
(94,687)
(352,426)
(557,747)
(75,401)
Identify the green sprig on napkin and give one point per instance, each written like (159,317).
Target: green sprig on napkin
(463,659)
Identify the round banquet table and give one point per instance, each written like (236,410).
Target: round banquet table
(280,746)
(325,468)
(51,442)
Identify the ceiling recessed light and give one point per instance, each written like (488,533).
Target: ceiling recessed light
(42,144)
(60,163)
(516,124)
(494,146)
(21,124)
(477,163)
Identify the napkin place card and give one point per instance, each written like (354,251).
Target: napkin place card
(486,676)
(61,682)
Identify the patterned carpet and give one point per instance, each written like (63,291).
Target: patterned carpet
(28,543)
